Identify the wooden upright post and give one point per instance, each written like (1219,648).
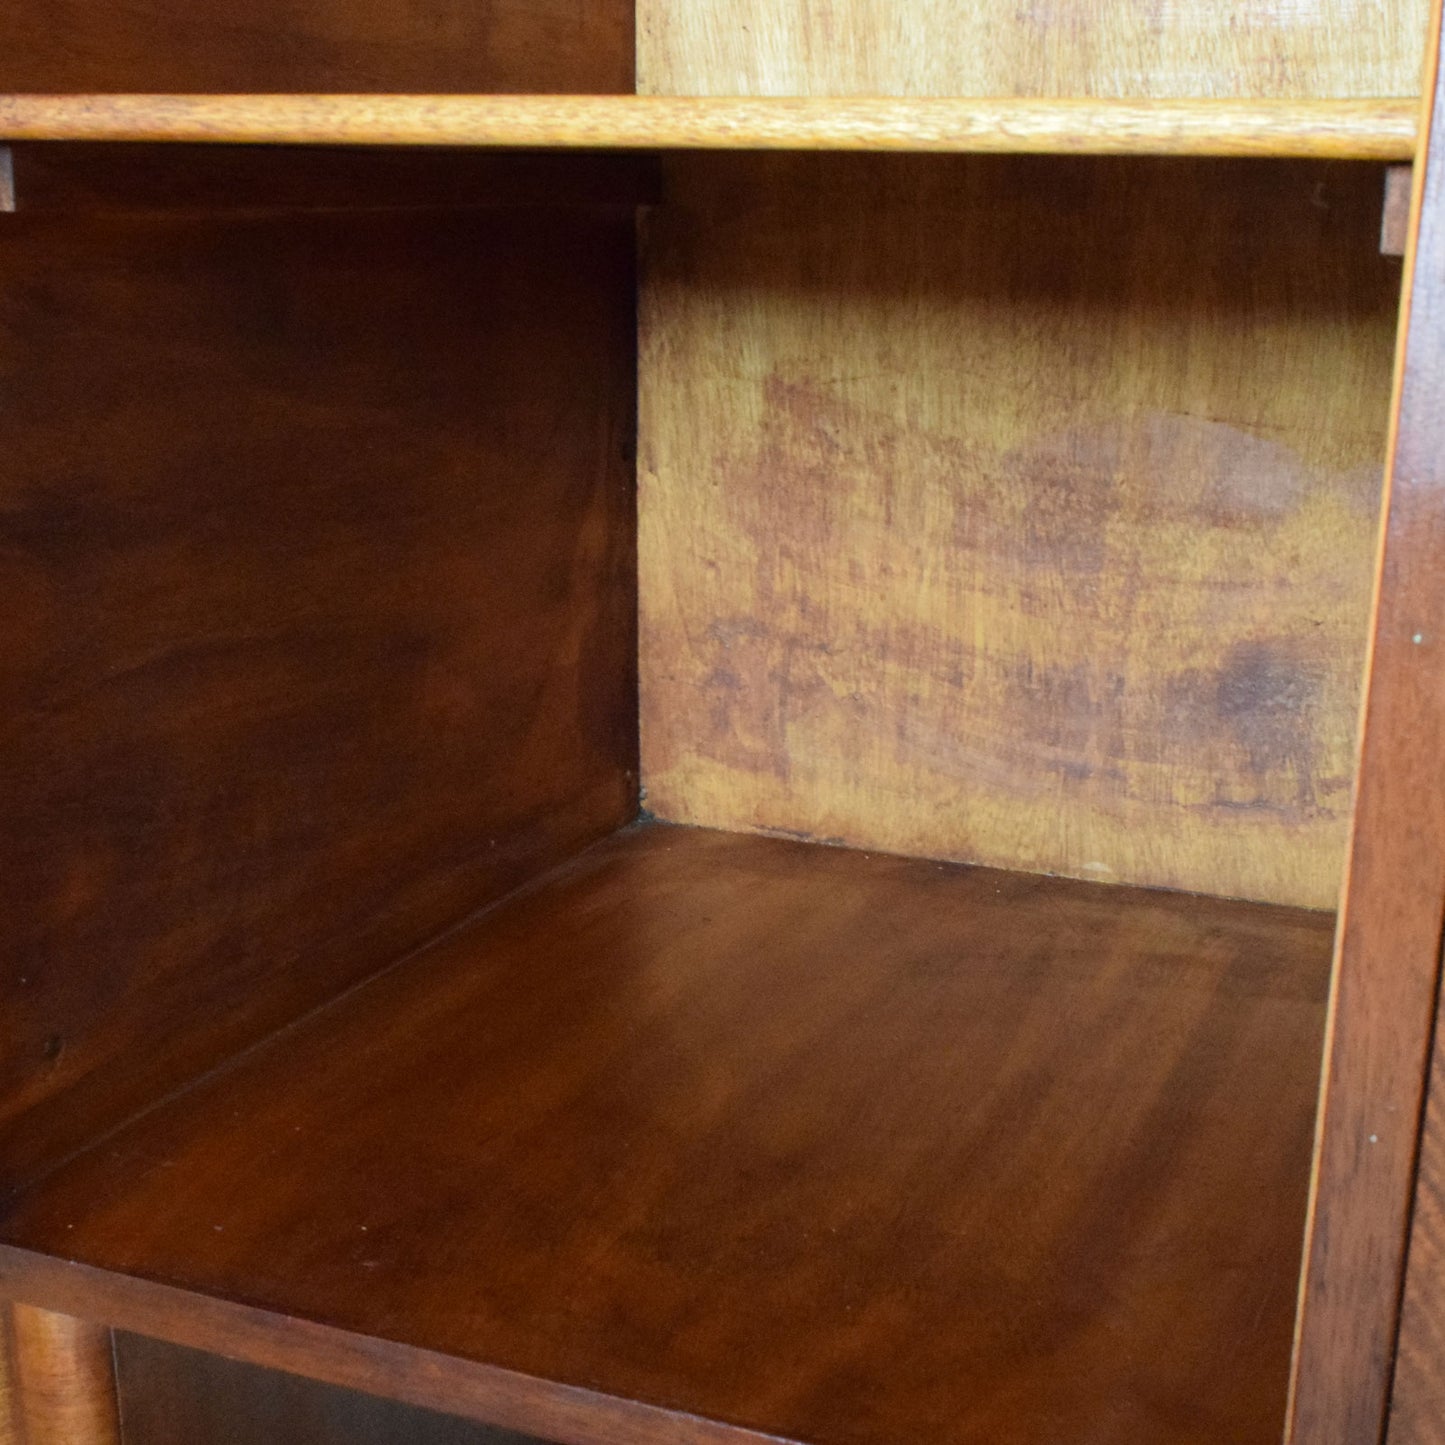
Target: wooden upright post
(1387,962)
(63,1380)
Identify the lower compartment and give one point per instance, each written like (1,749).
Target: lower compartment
(713,1137)
(174,1396)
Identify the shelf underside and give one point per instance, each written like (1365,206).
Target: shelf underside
(788,1140)
(1382,129)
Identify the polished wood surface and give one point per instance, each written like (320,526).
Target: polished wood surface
(568,1415)
(1417,1388)
(9,1405)
(64,1379)
(347,45)
(174,1396)
(817,1144)
(1417,1395)
(88,179)
(1383,129)
(1015,511)
(1388,957)
(1044,48)
(320,616)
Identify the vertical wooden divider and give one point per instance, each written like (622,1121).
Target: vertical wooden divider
(64,1380)
(9,1422)
(1388,946)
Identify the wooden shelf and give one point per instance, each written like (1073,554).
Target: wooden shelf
(1361,129)
(711,1138)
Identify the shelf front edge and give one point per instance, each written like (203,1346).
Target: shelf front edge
(1384,130)
(471,1389)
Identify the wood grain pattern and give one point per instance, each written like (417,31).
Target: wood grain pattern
(1017,512)
(1341,129)
(568,1415)
(9,1405)
(346,45)
(796,1141)
(1417,1395)
(1388,954)
(87,179)
(64,1379)
(174,1396)
(1044,48)
(317,539)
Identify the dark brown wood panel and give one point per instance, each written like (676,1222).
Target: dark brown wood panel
(1417,1399)
(9,1405)
(174,1396)
(358,1362)
(89,178)
(1388,959)
(822,1145)
(317,543)
(420,46)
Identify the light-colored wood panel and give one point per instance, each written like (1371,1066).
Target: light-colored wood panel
(1162,48)
(65,1379)
(1363,129)
(1015,511)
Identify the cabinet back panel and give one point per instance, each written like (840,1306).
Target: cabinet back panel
(318,555)
(424,46)
(1042,48)
(1015,511)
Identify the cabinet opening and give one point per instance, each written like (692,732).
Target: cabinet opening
(447,635)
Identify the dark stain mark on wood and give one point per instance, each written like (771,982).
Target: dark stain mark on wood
(1042,523)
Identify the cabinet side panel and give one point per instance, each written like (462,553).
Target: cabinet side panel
(318,555)
(1015,511)
(406,46)
(1386,978)
(174,1396)
(1417,1404)
(1043,48)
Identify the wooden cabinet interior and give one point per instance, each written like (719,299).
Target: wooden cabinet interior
(589,800)
(1015,511)
(271,46)
(1387,977)
(531,1146)
(281,490)
(1060,48)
